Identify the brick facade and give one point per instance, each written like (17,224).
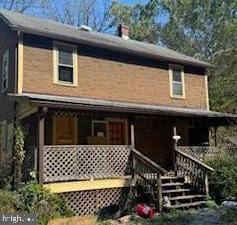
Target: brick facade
(108,79)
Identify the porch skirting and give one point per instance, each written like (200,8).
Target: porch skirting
(90,202)
(89,197)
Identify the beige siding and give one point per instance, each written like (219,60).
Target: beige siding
(111,80)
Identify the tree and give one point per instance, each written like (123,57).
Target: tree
(203,29)
(17,5)
(207,30)
(93,13)
(141,19)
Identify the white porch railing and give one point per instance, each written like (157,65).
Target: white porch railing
(83,162)
(204,153)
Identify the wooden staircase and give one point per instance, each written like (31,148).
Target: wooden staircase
(177,194)
(186,187)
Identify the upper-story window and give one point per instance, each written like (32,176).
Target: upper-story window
(5,70)
(65,64)
(177,83)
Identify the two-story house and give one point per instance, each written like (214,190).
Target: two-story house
(102,111)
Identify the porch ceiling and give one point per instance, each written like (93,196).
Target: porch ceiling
(63,102)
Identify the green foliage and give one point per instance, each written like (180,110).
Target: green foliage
(5,175)
(9,201)
(34,199)
(46,206)
(203,29)
(223,181)
(140,18)
(19,153)
(211,204)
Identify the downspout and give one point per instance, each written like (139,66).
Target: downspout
(16,63)
(17,90)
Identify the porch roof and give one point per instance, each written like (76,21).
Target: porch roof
(65,102)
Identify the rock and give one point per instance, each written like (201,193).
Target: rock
(229,204)
(125,219)
(166,202)
(110,212)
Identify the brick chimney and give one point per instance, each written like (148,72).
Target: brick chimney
(123,31)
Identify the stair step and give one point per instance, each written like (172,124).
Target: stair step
(187,197)
(176,190)
(172,184)
(187,205)
(170,177)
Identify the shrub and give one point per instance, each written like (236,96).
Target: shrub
(5,176)
(46,206)
(223,181)
(9,201)
(210,204)
(34,199)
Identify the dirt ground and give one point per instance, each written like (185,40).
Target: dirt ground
(200,217)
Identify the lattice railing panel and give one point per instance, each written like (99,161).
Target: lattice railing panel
(205,153)
(63,163)
(90,202)
(60,163)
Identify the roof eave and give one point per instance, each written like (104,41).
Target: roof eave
(120,107)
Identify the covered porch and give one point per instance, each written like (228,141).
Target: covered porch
(81,139)
(92,151)
(84,145)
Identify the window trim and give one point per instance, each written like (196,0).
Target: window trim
(181,68)
(56,64)
(93,126)
(6,53)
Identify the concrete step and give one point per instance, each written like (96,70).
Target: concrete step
(187,205)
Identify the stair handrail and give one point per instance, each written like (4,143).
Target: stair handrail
(205,166)
(147,172)
(197,171)
(148,162)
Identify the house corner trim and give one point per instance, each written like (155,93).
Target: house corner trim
(207,93)
(20,63)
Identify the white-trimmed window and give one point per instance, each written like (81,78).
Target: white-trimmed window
(5,70)
(177,83)
(65,64)
(99,128)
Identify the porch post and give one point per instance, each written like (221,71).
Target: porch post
(132,136)
(174,147)
(41,128)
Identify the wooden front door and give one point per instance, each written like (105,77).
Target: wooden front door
(117,133)
(65,130)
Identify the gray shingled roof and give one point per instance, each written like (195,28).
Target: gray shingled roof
(34,25)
